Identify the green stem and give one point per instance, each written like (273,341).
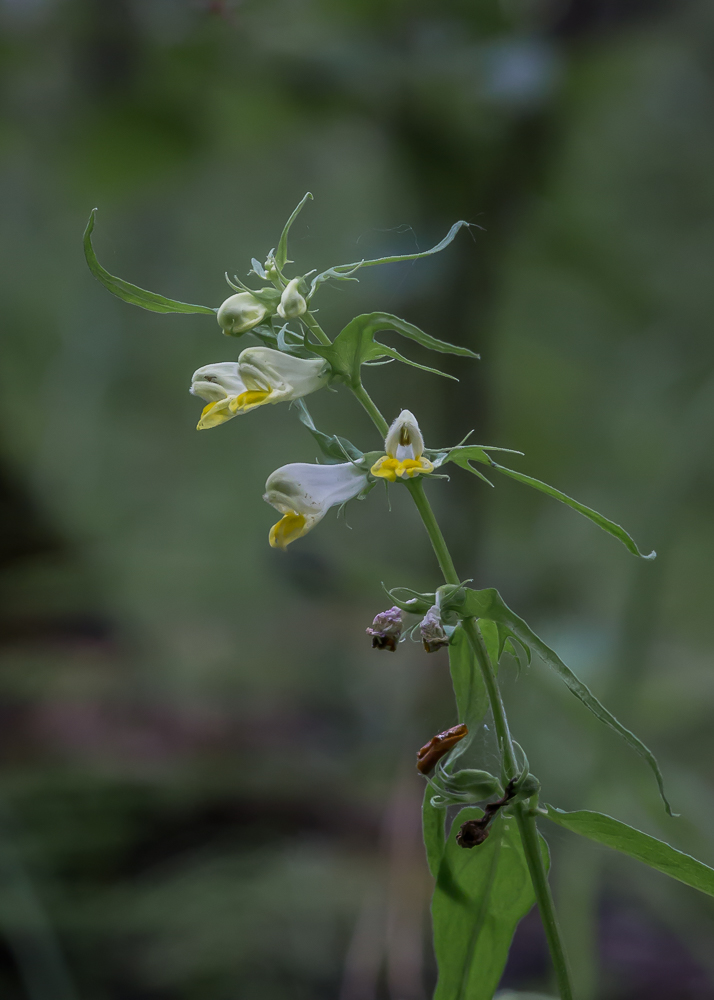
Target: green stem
(525,819)
(314,327)
(370,406)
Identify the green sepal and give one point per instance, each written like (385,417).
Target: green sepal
(337,450)
(415,604)
(489,604)
(480,896)
(269,297)
(463,456)
(479,785)
(355,346)
(281,254)
(340,268)
(624,838)
(132,293)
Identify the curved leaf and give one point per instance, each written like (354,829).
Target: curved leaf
(132,293)
(407,256)
(281,254)
(626,839)
(489,604)
(335,449)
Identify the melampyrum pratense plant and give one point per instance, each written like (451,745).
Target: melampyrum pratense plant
(493,865)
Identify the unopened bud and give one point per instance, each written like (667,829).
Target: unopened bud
(438,746)
(292,303)
(386,629)
(432,631)
(240,313)
(478,785)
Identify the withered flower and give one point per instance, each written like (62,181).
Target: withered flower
(386,629)
(439,745)
(432,631)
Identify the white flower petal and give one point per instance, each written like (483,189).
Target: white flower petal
(404,439)
(216,382)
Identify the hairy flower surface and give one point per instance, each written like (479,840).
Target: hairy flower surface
(404,446)
(304,493)
(261,375)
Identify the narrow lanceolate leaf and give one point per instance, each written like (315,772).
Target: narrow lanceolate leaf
(335,449)
(132,293)
(355,346)
(407,256)
(626,839)
(489,604)
(480,896)
(603,522)
(469,688)
(433,820)
(281,254)
(464,456)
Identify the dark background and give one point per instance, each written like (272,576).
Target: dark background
(206,780)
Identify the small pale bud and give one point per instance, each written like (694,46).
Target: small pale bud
(386,629)
(432,631)
(240,313)
(292,303)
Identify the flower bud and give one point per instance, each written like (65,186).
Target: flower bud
(432,631)
(438,746)
(240,313)
(292,303)
(386,629)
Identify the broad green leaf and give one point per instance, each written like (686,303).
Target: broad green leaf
(132,293)
(355,345)
(480,896)
(406,256)
(433,820)
(626,839)
(463,456)
(469,688)
(335,449)
(489,604)
(281,254)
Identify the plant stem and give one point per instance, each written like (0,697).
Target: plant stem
(524,817)
(371,407)
(314,327)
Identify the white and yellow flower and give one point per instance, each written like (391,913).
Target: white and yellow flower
(404,446)
(304,493)
(261,375)
(240,313)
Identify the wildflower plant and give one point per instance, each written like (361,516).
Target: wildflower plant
(491,865)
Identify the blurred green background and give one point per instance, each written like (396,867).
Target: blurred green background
(207,784)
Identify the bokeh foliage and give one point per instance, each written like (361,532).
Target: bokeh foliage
(207,775)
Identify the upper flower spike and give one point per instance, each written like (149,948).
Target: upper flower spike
(304,493)
(261,375)
(404,446)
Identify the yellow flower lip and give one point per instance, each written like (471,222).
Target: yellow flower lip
(290,527)
(390,468)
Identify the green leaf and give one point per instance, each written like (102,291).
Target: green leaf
(480,896)
(469,688)
(463,456)
(336,450)
(602,522)
(626,839)
(355,346)
(489,604)
(407,256)
(132,293)
(433,820)
(281,254)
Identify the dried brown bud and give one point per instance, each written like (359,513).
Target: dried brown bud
(432,631)
(439,745)
(386,629)
(472,833)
